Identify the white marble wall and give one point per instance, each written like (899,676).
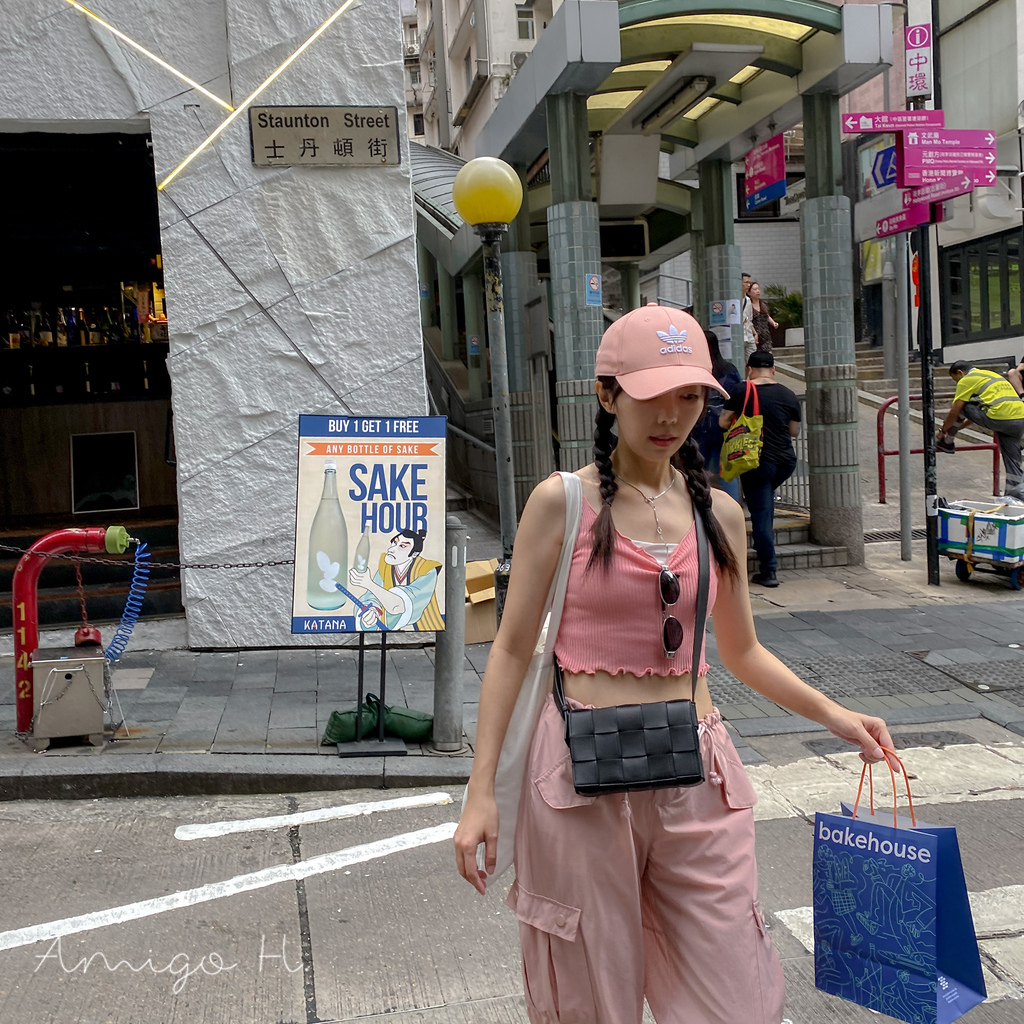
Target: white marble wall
(289,290)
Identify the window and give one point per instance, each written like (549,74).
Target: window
(981,288)
(524,20)
(414,77)
(469,70)
(417,124)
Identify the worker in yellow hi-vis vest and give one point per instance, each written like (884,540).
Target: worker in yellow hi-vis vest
(401,593)
(988,399)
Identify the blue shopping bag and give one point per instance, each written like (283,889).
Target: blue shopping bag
(892,923)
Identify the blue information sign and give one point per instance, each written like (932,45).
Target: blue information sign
(883,170)
(766,195)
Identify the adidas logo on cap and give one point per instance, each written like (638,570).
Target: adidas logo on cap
(673,341)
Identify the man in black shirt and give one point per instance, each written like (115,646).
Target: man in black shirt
(780,409)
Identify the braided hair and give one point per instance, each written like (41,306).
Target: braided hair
(688,460)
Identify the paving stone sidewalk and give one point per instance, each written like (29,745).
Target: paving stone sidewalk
(189,718)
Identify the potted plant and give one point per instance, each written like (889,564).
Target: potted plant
(788,309)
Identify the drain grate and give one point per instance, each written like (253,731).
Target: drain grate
(875,536)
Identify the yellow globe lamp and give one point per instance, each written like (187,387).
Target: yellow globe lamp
(487,191)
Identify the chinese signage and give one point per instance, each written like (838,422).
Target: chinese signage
(324,136)
(765,173)
(592,284)
(930,156)
(919,61)
(369,525)
(892,120)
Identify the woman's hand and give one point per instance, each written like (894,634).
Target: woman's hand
(478,824)
(864,731)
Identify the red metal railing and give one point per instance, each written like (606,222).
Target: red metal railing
(883,451)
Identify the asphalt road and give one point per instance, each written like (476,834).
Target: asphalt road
(128,911)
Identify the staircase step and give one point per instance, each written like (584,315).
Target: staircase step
(803,556)
(59,607)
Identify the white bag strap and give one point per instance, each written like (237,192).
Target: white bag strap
(573,513)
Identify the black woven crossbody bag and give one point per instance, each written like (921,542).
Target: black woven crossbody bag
(640,746)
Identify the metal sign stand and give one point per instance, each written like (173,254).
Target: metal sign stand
(382,746)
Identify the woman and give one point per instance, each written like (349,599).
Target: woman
(763,321)
(650,892)
(707,433)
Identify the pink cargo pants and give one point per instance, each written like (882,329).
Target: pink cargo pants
(646,893)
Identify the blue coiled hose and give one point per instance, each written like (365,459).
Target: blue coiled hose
(133,605)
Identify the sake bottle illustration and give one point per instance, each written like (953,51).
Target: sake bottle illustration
(328,547)
(361,559)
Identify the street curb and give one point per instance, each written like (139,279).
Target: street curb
(162,775)
(82,777)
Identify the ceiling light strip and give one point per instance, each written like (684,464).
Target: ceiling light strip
(255,94)
(148,53)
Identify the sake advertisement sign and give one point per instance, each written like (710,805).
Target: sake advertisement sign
(369,525)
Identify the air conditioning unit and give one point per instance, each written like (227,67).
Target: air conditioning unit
(518,58)
(411,50)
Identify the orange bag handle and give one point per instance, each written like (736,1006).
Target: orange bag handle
(866,770)
(751,387)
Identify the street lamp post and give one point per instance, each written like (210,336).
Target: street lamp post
(487,194)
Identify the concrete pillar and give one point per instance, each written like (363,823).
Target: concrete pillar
(476,337)
(630,273)
(425,273)
(574,245)
(519,276)
(449,321)
(698,293)
(827,258)
(722,258)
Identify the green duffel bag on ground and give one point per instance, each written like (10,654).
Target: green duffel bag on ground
(405,723)
(741,450)
(341,726)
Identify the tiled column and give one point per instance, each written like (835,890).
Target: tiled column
(722,281)
(827,257)
(575,247)
(826,243)
(476,337)
(425,273)
(449,321)
(720,266)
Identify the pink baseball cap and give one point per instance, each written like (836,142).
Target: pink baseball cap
(655,349)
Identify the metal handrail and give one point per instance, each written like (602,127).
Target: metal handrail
(471,439)
(883,451)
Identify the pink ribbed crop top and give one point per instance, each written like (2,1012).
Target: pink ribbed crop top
(612,620)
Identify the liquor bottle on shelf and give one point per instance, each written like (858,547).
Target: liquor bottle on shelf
(31,380)
(26,330)
(95,334)
(71,324)
(83,326)
(112,327)
(88,383)
(13,330)
(44,329)
(5,331)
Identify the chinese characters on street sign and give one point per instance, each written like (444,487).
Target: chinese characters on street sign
(324,136)
(927,156)
(919,61)
(892,120)
(949,188)
(765,173)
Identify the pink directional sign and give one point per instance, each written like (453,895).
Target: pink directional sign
(922,153)
(893,121)
(939,192)
(764,165)
(897,222)
(911,177)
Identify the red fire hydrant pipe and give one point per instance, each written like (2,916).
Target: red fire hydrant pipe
(112,539)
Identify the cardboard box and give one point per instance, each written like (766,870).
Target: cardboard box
(480,618)
(480,622)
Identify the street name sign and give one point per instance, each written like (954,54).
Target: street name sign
(324,136)
(765,173)
(938,192)
(924,154)
(904,221)
(892,121)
